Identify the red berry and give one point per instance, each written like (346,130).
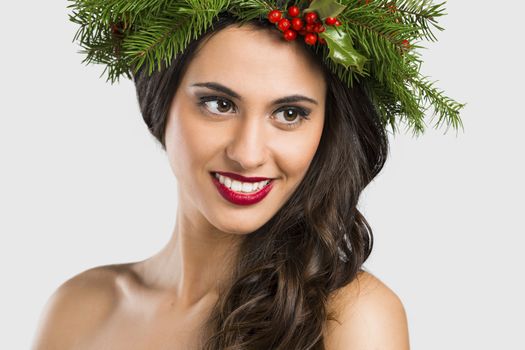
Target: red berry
(290,34)
(330,21)
(310,17)
(297,23)
(302,31)
(322,41)
(319,28)
(274,16)
(406,43)
(310,27)
(337,22)
(310,38)
(293,11)
(283,24)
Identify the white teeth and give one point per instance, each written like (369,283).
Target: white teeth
(236,186)
(239,186)
(227,182)
(246,187)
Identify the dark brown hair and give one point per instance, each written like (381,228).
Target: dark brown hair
(317,241)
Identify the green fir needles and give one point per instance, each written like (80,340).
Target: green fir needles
(374,42)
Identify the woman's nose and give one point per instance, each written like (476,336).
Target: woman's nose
(248,143)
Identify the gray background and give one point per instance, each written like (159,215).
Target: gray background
(83,184)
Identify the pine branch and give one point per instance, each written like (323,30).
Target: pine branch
(377,34)
(247,10)
(446,108)
(384,102)
(421,14)
(159,39)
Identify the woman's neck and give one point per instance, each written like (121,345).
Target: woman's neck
(194,264)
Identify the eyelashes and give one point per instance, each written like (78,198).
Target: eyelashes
(223,105)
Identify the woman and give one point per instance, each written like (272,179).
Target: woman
(279,268)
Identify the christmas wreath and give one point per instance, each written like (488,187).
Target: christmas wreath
(371,41)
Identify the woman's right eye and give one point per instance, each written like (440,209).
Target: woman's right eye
(215,104)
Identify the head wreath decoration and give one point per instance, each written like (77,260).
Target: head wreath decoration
(371,41)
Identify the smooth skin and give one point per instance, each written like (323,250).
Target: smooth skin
(163,301)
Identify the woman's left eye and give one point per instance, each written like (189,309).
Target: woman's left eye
(295,113)
(218,105)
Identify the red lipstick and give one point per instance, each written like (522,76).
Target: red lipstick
(240,198)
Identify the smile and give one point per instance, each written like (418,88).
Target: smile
(239,192)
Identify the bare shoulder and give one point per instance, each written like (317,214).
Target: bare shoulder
(78,307)
(369,315)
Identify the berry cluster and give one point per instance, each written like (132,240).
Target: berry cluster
(307,25)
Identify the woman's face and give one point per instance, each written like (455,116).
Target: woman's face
(226,117)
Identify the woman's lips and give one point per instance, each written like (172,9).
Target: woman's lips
(241,198)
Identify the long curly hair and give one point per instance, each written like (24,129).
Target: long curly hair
(317,241)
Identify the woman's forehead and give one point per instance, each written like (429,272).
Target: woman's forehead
(248,58)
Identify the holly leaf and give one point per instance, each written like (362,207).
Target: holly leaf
(342,50)
(325,8)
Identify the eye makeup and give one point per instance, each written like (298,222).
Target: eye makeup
(301,112)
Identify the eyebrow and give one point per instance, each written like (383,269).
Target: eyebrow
(230,92)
